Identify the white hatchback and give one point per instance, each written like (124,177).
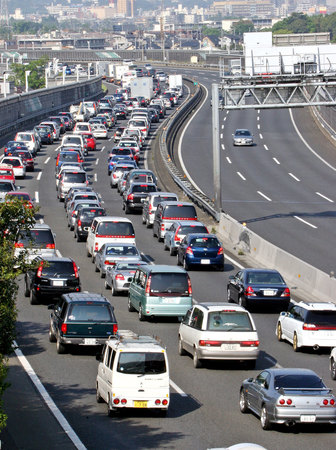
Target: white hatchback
(19,168)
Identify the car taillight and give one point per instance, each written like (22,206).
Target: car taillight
(50,246)
(162,227)
(249,291)
(249,344)
(220,251)
(79,223)
(203,343)
(49,135)
(115,328)
(96,247)
(120,277)
(177,237)
(158,402)
(74,213)
(189,287)
(19,245)
(150,209)
(130,197)
(144,130)
(189,251)
(123,401)
(109,263)
(165,402)
(148,284)
(115,175)
(75,270)
(309,326)
(116,401)
(286,293)
(64,328)
(39,270)
(284,402)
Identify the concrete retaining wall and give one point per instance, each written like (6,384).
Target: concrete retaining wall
(311,283)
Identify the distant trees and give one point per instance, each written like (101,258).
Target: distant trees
(36,77)
(243,26)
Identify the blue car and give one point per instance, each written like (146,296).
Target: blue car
(11,146)
(116,159)
(200,249)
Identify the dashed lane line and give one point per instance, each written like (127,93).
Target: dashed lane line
(39,176)
(323,196)
(47,160)
(293,176)
(305,222)
(265,196)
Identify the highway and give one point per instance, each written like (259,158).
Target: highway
(204,411)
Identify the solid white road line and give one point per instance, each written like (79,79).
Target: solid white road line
(37,198)
(47,160)
(265,196)
(177,389)
(227,112)
(48,400)
(39,176)
(224,119)
(97,161)
(276,160)
(265,147)
(261,136)
(293,176)
(228,160)
(58,253)
(307,223)
(258,111)
(323,196)
(241,176)
(103,148)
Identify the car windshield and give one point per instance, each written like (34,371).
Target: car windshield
(141,363)
(74,178)
(121,250)
(242,133)
(54,268)
(298,381)
(115,229)
(12,162)
(229,321)
(36,238)
(180,211)
(264,278)
(89,312)
(204,242)
(322,318)
(176,283)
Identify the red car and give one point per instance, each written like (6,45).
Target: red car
(90,141)
(7,173)
(23,196)
(26,157)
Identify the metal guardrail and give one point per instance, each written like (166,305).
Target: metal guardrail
(170,130)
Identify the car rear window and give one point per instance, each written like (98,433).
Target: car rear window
(91,204)
(89,312)
(54,268)
(204,242)
(36,237)
(121,250)
(91,213)
(12,162)
(73,140)
(264,278)
(160,199)
(144,188)
(115,229)
(229,321)
(6,172)
(298,381)
(169,283)
(141,363)
(74,178)
(23,197)
(182,211)
(186,229)
(137,123)
(121,151)
(322,318)
(6,187)
(70,156)
(85,197)
(25,137)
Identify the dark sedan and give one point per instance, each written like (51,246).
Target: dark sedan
(134,197)
(84,220)
(200,249)
(11,146)
(45,133)
(253,286)
(288,396)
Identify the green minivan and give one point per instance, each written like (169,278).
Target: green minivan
(160,290)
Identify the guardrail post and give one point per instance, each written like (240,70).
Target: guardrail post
(216,148)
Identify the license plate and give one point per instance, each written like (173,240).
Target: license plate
(205,261)
(230,346)
(269,292)
(58,283)
(307,419)
(89,341)
(138,404)
(170,300)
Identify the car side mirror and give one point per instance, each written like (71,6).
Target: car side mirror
(231,277)
(99,357)
(250,380)
(283,313)
(51,306)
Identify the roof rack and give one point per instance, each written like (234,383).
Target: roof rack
(129,337)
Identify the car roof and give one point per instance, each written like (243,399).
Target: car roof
(112,219)
(317,306)
(189,223)
(251,269)
(176,202)
(159,268)
(201,235)
(40,226)
(161,194)
(53,258)
(290,371)
(85,297)
(219,306)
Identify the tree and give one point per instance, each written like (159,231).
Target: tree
(36,77)
(243,26)
(15,217)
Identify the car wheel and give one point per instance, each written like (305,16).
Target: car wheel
(264,419)
(333,369)
(196,360)
(229,299)
(140,314)
(96,267)
(279,332)
(52,337)
(185,265)
(78,238)
(154,233)
(181,350)
(114,292)
(130,307)
(159,238)
(127,210)
(172,252)
(99,398)
(106,285)
(241,301)
(88,254)
(148,224)
(165,247)
(243,405)
(93,259)
(102,274)
(33,298)
(61,348)
(27,290)
(109,409)
(177,259)
(143,220)
(295,343)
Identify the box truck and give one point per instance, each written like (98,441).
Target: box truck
(142,87)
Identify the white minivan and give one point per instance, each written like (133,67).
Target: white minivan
(133,373)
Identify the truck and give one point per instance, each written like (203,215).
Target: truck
(235,67)
(102,68)
(175,81)
(142,87)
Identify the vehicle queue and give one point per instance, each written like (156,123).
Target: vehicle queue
(207,331)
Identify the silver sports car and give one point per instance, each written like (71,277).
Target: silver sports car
(288,396)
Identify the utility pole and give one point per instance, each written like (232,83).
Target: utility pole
(162,33)
(216,148)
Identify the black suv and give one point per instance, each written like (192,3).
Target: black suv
(135,196)
(81,319)
(84,221)
(53,277)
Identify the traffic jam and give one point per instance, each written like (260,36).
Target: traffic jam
(133,369)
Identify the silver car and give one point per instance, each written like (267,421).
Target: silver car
(177,231)
(288,396)
(109,254)
(119,276)
(242,137)
(150,205)
(117,172)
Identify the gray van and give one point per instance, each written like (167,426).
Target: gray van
(151,202)
(169,212)
(160,290)
(68,180)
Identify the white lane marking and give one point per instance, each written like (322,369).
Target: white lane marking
(48,400)
(58,253)
(223,127)
(95,177)
(233,261)
(227,112)
(97,161)
(223,148)
(258,126)
(241,176)
(37,198)
(276,160)
(323,196)
(103,148)
(265,147)
(181,140)
(39,176)
(110,138)
(307,145)
(225,118)
(258,111)
(273,361)
(221,135)
(177,389)
(265,196)
(258,118)
(228,160)
(47,160)
(261,136)
(307,223)
(293,176)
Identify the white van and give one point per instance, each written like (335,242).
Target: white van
(133,373)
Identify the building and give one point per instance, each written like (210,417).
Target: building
(125,7)
(245,8)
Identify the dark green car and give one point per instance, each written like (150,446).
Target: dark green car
(81,319)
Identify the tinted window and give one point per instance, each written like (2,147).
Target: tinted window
(185,229)
(322,318)
(36,237)
(91,213)
(75,178)
(58,267)
(176,283)
(179,212)
(23,197)
(123,250)
(6,187)
(141,363)
(71,156)
(85,197)
(137,123)
(160,199)
(122,151)
(204,242)
(115,229)
(89,312)
(298,381)
(73,140)
(229,321)
(144,188)
(264,278)
(13,162)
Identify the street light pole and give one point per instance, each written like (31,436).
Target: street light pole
(216,148)
(46,70)
(27,73)
(5,77)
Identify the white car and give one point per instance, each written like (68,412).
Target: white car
(81,127)
(219,331)
(19,168)
(308,324)
(99,131)
(28,137)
